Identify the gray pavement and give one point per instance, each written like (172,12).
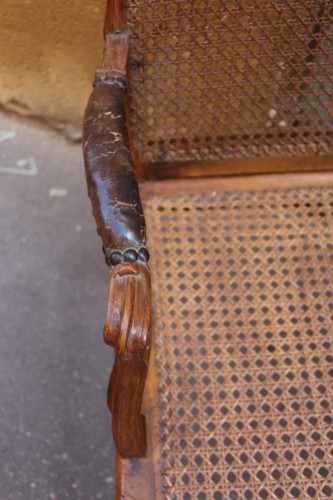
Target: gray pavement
(55,438)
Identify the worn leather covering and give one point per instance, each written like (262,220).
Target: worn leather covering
(110,173)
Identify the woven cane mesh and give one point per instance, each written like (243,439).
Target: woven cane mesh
(212,79)
(243,304)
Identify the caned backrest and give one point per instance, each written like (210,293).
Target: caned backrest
(220,80)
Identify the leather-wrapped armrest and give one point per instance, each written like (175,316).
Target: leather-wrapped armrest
(110,174)
(115,199)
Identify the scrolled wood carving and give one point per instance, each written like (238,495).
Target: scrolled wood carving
(128,329)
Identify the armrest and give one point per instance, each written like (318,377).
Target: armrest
(117,209)
(110,174)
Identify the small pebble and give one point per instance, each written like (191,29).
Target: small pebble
(57,192)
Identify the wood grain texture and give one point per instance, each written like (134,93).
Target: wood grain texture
(116,41)
(128,329)
(141,478)
(241,183)
(115,53)
(236,166)
(114,16)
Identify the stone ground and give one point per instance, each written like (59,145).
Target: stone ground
(55,438)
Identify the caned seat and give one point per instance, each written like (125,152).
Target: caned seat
(222,381)
(239,393)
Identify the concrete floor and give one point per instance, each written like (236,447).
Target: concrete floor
(55,440)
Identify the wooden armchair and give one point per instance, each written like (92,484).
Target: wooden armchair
(238,399)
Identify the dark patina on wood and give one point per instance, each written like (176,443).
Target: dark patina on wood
(112,186)
(115,198)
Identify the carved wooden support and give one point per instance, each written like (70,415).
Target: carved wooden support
(128,329)
(115,198)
